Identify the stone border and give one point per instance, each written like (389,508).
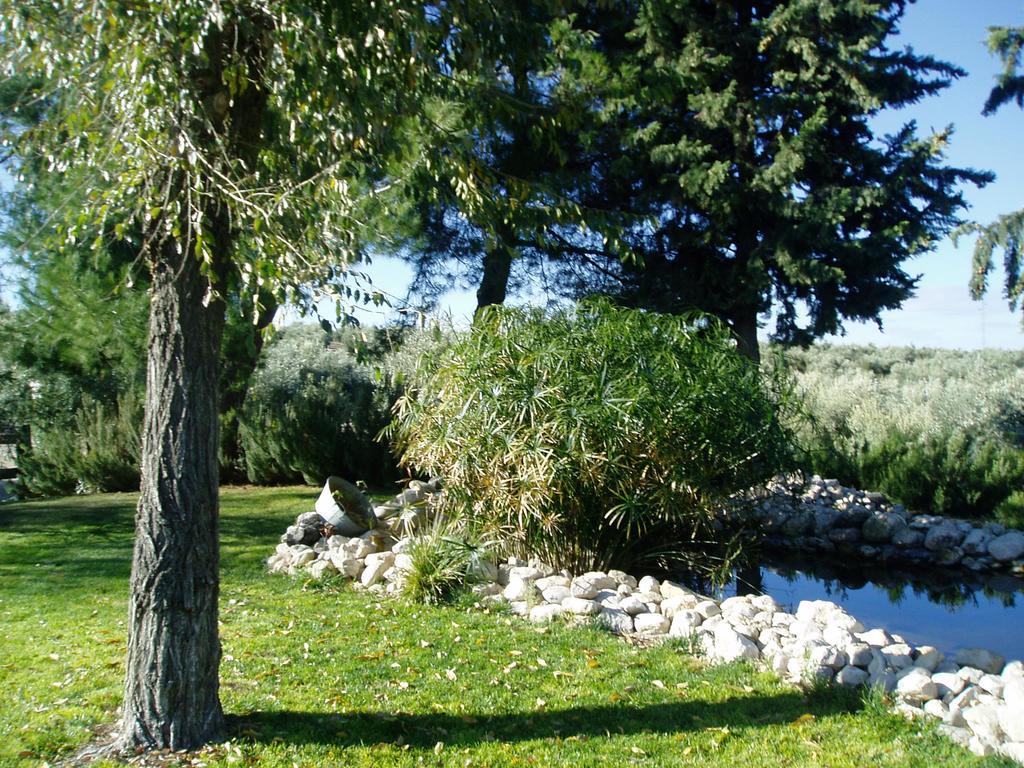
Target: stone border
(824,517)
(977,696)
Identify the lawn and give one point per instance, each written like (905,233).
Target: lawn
(321,674)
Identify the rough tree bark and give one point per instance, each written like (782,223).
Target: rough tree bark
(497,266)
(744,325)
(171,689)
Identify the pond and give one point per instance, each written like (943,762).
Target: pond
(949,610)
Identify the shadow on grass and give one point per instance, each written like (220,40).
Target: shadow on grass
(425,730)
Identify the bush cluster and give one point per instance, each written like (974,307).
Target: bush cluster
(591,437)
(318,401)
(940,430)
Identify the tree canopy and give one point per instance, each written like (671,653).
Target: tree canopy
(746,157)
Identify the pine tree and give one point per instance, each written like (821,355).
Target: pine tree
(744,154)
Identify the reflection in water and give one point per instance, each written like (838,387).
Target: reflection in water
(947,608)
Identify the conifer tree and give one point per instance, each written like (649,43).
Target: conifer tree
(743,152)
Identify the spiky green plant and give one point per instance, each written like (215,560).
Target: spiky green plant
(592,436)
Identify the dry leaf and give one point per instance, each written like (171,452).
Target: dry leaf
(657,683)
(802,720)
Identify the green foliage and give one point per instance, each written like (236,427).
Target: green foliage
(98,452)
(590,437)
(940,430)
(1006,233)
(313,410)
(738,137)
(442,563)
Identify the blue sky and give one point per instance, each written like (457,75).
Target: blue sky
(942,314)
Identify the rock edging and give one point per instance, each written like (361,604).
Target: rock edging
(822,516)
(977,697)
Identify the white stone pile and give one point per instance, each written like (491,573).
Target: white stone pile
(976,696)
(825,517)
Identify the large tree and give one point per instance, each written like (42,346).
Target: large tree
(745,155)
(1006,233)
(235,144)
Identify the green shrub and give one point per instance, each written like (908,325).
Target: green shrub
(442,563)
(318,401)
(99,452)
(591,437)
(939,430)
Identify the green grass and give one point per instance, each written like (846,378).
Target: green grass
(322,675)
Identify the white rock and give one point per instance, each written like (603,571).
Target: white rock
(1014,670)
(980,747)
(898,655)
(671,589)
(936,709)
(964,699)
(519,607)
(651,624)
(766,603)
(623,578)
(1014,751)
(782,619)
(633,606)
(730,645)
(600,580)
(403,562)
(838,636)
(928,658)
(584,588)
(684,623)
(581,607)
(525,572)
(979,658)
(671,606)
(321,568)
(983,719)
(851,676)
(518,590)
(552,581)
(619,622)
(374,572)
(917,686)
(745,629)
(876,638)
(859,654)
(958,735)
(817,611)
(400,546)
(993,684)
(556,594)
(359,548)
(948,683)
(707,608)
(649,584)
(302,558)
(380,558)
(828,656)
(1011,716)
(971,674)
(541,614)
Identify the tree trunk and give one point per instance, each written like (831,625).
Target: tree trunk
(171,687)
(744,325)
(494,282)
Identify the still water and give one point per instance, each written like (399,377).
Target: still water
(950,610)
